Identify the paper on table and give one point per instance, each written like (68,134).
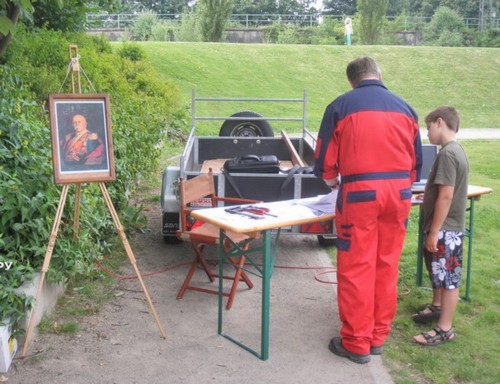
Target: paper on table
(322,203)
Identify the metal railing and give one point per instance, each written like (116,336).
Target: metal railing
(124,21)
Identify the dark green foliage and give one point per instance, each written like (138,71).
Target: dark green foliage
(214,16)
(132,52)
(272,7)
(331,31)
(371,15)
(490,38)
(143,25)
(335,7)
(142,109)
(445,29)
(24,203)
(68,15)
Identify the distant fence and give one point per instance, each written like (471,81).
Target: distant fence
(123,21)
(248,35)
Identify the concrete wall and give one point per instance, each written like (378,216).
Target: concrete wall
(109,33)
(249,35)
(410,37)
(50,293)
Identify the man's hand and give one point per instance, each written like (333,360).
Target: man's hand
(332,183)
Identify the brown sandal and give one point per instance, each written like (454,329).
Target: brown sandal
(439,337)
(427,315)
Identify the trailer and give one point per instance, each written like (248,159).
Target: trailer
(249,133)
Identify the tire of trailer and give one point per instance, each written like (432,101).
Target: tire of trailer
(326,241)
(245,127)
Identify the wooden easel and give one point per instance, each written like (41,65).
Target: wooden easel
(75,68)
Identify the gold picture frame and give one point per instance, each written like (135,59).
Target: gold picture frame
(82,145)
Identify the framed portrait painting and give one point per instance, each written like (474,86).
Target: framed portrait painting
(82,146)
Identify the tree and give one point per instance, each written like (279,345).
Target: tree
(271,6)
(445,29)
(65,15)
(68,15)
(339,7)
(10,12)
(427,8)
(371,15)
(158,6)
(397,7)
(214,17)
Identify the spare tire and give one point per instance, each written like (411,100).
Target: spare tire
(246,128)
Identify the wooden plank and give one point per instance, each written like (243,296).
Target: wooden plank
(296,159)
(215,164)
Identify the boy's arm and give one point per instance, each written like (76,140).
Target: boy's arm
(441,209)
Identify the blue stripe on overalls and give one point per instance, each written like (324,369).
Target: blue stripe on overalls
(367,195)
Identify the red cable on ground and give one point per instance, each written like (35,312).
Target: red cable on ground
(107,271)
(332,270)
(328,270)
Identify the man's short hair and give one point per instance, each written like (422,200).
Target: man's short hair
(449,115)
(361,69)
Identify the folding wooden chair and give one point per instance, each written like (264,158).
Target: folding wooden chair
(202,234)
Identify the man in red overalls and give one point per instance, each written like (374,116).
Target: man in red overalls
(370,138)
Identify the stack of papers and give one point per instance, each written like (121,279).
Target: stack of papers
(322,204)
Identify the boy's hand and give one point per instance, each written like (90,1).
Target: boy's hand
(431,241)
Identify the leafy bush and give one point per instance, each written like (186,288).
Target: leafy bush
(445,29)
(143,26)
(489,38)
(29,200)
(450,39)
(130,51)
(189,29)
(286,34)
(331,31)
(143,108)
(164,31)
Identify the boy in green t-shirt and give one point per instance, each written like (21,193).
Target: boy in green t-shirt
(444,206)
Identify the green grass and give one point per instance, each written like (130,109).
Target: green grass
(472,357)
(426,77)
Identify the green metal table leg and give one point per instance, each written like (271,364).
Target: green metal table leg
(220,254)
(420,246)
(266,295)
(469,232)
(269,252)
